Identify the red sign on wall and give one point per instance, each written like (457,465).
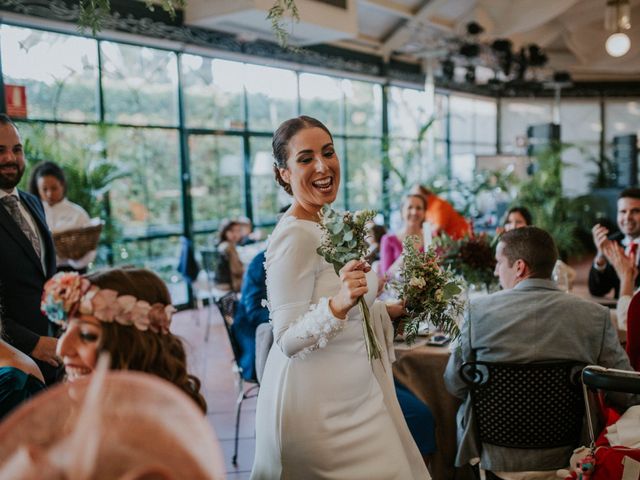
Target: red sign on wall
(16,98)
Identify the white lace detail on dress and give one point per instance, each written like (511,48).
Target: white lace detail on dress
(317,323)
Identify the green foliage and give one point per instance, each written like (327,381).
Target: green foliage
(471,257)
(89,175)
(466,193)
(413,155)
(94,13)
(343,240)
(276,13)
(605,177)
(430,292)
(564,218)
(343,236)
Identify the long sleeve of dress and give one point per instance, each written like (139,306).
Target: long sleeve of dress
(299,326)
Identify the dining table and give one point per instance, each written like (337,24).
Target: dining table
(420,367)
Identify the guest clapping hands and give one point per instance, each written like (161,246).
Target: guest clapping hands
(626,267)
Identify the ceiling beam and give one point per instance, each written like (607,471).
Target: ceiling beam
(387,6)
(400,35)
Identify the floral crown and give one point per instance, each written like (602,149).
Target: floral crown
(67,294)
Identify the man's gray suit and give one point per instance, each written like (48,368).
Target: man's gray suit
(532,322)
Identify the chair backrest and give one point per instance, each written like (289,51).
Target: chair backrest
(601,380)
(611,379)
(210,260)
(633,332)
(530,406)
(227,305)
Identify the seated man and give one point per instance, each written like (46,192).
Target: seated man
(529,321)
(602,276)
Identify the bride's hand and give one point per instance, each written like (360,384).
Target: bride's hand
(396,310)
(354,285)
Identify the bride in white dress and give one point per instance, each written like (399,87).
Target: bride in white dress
(324,411)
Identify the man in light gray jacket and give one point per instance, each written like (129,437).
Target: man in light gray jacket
(529,321)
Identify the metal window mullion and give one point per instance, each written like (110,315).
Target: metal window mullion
(248,202)
(185,171)
(386,201)
(106,203)
(3,102)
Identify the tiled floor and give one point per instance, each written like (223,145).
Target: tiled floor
(211,362)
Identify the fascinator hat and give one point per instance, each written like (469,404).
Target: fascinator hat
(116,425)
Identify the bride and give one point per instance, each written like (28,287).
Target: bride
(324,411)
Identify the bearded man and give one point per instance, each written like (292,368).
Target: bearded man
(27,258)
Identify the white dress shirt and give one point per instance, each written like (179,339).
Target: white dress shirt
(31,221)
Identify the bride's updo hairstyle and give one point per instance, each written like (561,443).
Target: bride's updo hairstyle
(280,143)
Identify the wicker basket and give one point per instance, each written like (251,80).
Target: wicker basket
(76,243)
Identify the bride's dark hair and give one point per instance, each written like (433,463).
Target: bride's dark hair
(280,143)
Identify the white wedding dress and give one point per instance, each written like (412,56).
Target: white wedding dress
(322,411)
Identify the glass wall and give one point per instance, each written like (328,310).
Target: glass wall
(417,140)
(517,114)
(183,126)
(581,127)
(189,136)
(472,132)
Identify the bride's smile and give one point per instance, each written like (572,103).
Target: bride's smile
(313,168)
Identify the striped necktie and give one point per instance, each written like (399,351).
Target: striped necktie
(10,203)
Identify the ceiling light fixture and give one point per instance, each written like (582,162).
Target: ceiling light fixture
(617,17)
(617,44)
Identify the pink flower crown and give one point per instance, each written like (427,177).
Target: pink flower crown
(68,294)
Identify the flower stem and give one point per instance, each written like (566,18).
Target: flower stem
(370,340)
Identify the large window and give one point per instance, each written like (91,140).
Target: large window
(140,85)
(217,179)
(518,114)
(147,201)
(190,136)
(321,97)
(266,195)
(213,92)
(581,127)
(622,117)
(272,95)
(59,72)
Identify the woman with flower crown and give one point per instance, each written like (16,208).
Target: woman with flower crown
(125,312)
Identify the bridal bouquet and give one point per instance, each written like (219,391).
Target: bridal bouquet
(343,240)
(430,292)
(471,257)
